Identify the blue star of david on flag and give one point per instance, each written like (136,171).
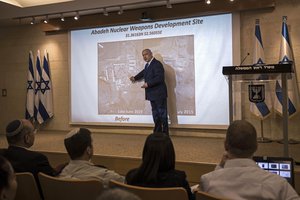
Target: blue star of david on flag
(44,86)
(43,90)
(37,86)
(29,85)
(29,111)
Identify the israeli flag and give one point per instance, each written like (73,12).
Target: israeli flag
(285,57)
(29,112)
(262,109)
(258,55)
(43,96)
(286,54)
(37,81)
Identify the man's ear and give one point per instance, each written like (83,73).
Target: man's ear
(26,138)
(89,150)
(226,146)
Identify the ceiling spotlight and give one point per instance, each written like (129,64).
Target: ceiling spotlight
(62,18)
(145,18)
(231,0)
(169,5)
(105,13)
(46,20)
(76,17)
(120,12)
(32,20)
(208,2)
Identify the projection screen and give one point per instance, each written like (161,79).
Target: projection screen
(192,51)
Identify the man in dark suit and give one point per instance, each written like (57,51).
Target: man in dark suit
(20,137)
(155,89)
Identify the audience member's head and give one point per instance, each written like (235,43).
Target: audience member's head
(8,183)
(117,194)
(241,139)
(158,156)
(78,143)
(20,132)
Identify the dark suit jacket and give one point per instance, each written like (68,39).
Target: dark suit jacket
(23,160)
(173,178)
(154,76)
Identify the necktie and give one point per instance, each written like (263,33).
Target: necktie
(146,66)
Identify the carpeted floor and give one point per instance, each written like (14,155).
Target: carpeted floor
(190,149)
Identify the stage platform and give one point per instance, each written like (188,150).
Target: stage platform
(189,148)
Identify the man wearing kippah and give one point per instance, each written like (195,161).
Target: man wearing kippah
(79,146)
(20,137)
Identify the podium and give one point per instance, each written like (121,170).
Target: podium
(239,76)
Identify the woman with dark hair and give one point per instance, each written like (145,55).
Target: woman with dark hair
(8,183)
(158,166)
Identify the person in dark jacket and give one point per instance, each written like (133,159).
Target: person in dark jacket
(8,182)
(155,90)
(20,135)
(158,166)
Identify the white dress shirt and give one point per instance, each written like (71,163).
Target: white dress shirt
(85,170)
(242,179)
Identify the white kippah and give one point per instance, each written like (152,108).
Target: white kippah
(14,128)
(72,132)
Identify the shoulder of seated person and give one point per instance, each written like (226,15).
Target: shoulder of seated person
(101,166)
(175,172)
(179,172)
(2,151)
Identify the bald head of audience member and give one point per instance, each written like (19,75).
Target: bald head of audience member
(117,194)
(78,143)
(20,132)
(241,139)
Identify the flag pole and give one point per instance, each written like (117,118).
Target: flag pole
(289,105)
(262,139)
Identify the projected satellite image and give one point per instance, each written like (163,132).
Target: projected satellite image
(117,61)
